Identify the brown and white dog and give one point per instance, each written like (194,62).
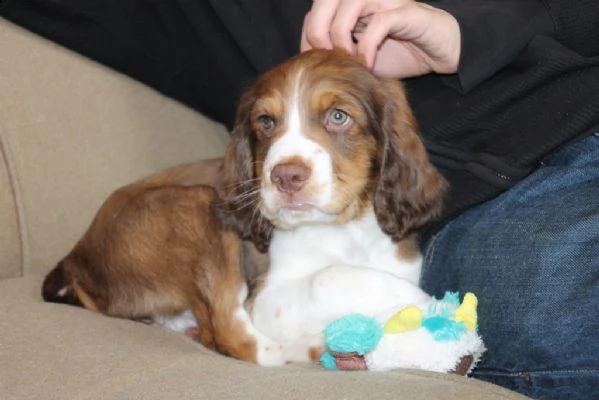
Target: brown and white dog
(325,169)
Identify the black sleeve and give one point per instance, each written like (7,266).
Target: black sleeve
(576,24)
(495,32)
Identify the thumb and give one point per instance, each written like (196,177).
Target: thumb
(304,45)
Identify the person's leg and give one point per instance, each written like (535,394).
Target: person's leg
(186,49)
(532,258)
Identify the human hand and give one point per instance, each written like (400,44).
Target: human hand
(331,23)
(398,38)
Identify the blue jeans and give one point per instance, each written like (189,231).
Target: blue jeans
(532,258)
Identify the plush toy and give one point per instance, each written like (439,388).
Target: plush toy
(439,336)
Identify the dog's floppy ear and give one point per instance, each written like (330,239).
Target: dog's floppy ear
(239,185)
(409,191)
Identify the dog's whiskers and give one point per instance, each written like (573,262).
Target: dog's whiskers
(243,205)
(243,183)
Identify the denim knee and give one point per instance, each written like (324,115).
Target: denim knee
(532,257)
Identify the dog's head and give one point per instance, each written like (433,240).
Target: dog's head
(320,139)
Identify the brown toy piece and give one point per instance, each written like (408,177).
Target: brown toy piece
(356,362)
(349,361)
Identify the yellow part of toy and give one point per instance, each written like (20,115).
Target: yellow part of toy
(467,311)
(408,319)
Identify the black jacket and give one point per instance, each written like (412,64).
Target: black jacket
(527,84)
(528,79)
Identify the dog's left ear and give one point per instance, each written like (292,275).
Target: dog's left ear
(409,191)
(237,187)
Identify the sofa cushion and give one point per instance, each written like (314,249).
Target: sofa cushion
(50,351)
(76,131)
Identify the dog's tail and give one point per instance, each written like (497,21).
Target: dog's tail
(58,287)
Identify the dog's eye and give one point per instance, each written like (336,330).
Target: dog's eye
(339,117)
(337,120)
(267,124)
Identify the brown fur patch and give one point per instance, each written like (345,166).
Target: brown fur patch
(407,249)
(85,300)
(157,247)
(316,353)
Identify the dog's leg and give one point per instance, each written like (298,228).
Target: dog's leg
(235,335)
(205,328)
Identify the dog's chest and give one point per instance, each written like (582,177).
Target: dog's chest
(313,269)
(305,250)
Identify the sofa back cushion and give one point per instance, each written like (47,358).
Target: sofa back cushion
(76,131)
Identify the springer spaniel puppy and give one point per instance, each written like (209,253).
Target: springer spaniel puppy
(325,170)
(326,164)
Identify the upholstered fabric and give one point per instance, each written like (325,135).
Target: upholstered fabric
(73,131)
(51,351)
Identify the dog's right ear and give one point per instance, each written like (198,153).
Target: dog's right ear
(239,185)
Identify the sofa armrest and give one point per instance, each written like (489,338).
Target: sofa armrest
(10,245)
(72,131)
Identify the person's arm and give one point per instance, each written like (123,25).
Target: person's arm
(494,32)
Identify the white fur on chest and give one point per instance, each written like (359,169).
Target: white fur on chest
(301,252)
(319,273)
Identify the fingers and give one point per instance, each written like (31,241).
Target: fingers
(315,32)
(344,23)
(330,23)
(304,44)
(431,36)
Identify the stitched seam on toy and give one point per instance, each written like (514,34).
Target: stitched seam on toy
(17,200)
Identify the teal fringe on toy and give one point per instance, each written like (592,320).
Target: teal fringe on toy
(328,361)
(439,318)
(353,333)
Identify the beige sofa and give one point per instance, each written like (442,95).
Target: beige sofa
(72,131)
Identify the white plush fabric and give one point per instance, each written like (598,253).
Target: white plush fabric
(418,349)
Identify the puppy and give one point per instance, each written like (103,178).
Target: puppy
(325,169)
(156,248)
(327,166)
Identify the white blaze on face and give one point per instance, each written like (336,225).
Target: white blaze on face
(295,144)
